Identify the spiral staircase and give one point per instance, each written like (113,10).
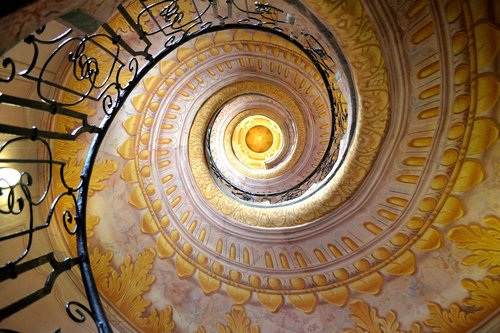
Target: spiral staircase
(236,166)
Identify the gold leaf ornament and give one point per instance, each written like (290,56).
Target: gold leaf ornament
(304,302)
(484,299)
(451,211)
(371,284)
(208,284)
(430,240)
(67,150)
(447,321)
(337,296)
(160,323)
(72,172)
(125,289)
(184,268)
(471,174)
(237,322)
(91,222)
(484,134)
(271,302)
(483,242)
(101,172)
(405,264)
(101,268)
(367,320)
(238,295)
(484,295)
(126,286)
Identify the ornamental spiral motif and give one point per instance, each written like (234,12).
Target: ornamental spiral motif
(282,175)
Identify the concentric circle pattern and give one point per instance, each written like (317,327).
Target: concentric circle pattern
(220,98)
(280,169)
(284,113)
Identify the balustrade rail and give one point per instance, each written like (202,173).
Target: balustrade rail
(105,81)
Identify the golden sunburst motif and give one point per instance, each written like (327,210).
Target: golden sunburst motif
(256,141)
(259,139)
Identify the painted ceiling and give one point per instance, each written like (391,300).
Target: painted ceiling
(401,234)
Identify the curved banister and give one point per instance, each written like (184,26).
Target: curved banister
(108,92)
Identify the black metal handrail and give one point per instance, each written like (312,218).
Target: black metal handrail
(105,92)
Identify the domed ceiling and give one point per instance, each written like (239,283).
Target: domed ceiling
(249,184)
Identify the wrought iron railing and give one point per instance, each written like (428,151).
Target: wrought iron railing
(104,82)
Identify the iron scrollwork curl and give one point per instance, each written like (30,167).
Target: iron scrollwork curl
(100,79)
(76,311)
(8,63)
